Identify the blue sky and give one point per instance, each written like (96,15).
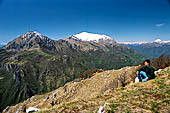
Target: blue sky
(124,20)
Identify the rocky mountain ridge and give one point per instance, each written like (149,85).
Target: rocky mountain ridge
(33,39)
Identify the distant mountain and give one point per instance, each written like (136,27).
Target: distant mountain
(144,42)
(35,64)
(154,49)
(1,45)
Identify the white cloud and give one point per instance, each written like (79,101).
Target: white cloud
(160,25)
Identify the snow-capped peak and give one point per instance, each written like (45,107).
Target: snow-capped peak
(84,36)
(144,42)
(158,40)
(161,41)
(31,34)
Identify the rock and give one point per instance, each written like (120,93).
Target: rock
(54,95)
(59,101)
(136,80)
(102,109)
(52,103)
(26,102)
(47,97)
(32,109)
(158,71)
(6,109)
(166,69)
(21,109)
(10,67)
(17,77)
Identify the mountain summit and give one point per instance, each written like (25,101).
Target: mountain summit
(161,41)
(31,39)
(31,34)
(85,36)
(158,40)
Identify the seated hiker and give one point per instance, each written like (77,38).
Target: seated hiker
(146,72)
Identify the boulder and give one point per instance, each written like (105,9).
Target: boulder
(32,109)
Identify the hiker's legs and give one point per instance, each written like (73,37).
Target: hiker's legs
(139,77)
(142,76)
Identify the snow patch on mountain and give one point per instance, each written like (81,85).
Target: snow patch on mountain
(84,36)
(161,41)
(31,34)
(142,42)
(158,40)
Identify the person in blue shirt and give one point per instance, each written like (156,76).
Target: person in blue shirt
(146,72)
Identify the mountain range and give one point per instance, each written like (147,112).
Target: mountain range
(153,49)
(145,42)
(35,64)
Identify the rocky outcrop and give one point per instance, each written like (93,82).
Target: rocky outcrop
(17,77)
(21,109)
(32,109)
(16,70)
(11,67)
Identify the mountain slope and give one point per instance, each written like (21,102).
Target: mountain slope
(155,48)
(35,64)
(112,88)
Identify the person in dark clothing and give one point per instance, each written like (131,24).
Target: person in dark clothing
(146,72)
